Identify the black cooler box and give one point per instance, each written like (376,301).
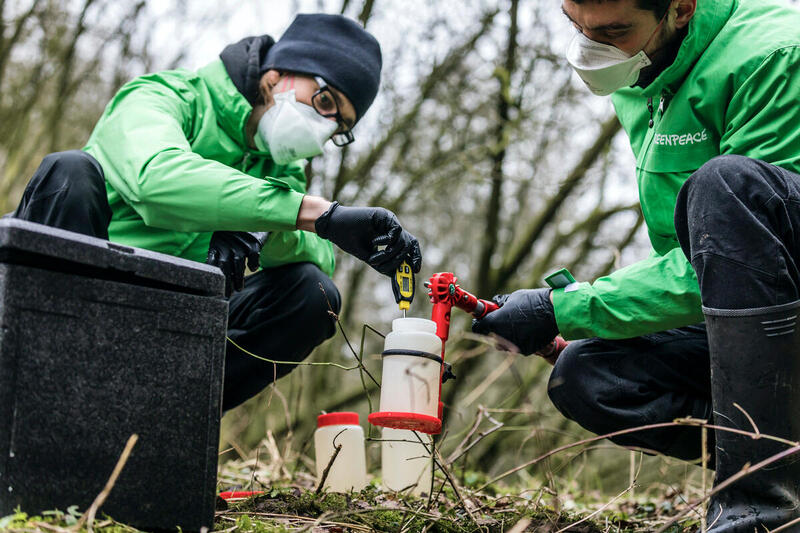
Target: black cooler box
(99,341)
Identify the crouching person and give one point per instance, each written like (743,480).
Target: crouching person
(209,166)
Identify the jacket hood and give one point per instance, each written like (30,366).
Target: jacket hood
(233,83)
(707,22)
(230,106)
(243,61)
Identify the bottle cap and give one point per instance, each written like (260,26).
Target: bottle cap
(336,419)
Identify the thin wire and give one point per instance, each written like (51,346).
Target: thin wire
(307,363)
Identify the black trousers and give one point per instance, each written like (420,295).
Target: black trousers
(738,222)
(281,313)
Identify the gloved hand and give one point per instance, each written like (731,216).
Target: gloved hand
(525,318)
(360,230)
(230,250)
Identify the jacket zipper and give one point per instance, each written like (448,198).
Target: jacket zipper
(651,124)
(245,161)
(662,104)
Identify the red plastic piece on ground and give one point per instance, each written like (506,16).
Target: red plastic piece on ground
(337,419)
(231,494)
(415,421)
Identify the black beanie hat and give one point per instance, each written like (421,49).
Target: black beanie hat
(335,48)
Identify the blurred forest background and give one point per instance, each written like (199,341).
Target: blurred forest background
(482,141)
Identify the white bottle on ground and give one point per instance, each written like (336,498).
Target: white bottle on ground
(349,470)
(405,461)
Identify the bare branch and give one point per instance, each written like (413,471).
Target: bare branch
(7,44)
(534,230)
(498,153)
(361,171)
(366,12)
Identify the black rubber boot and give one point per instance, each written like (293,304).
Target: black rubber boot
(755,363)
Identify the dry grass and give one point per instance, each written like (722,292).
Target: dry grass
(290,503)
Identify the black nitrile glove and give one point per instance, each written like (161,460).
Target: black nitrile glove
(525,318)
(360,230)
(230,251)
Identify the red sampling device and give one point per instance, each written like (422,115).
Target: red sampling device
(445,294)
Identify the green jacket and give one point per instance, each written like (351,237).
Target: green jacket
(177,167)
(734,88)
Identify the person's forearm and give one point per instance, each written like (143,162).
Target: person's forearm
(310,210)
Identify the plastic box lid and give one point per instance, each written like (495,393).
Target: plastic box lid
(39,246)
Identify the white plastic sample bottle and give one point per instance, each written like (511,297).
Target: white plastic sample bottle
(412,368)
(405,461)
(349,470)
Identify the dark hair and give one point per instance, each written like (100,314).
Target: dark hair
(658,7)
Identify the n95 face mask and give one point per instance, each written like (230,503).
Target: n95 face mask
(602,67)
(290,130)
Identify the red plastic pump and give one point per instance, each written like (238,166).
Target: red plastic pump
(445,294)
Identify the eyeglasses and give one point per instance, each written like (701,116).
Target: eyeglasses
(325,103)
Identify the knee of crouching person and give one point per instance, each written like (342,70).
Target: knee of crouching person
(723,174)
(570,385)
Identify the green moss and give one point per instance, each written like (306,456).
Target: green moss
(292,501)
(245,524)
(392,512)
(389,520)
(48,520)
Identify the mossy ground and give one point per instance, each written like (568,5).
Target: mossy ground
(294,508)
(58,521)
(292,504)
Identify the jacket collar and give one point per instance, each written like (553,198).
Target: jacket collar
(243,62)
(231,107)
(709,19)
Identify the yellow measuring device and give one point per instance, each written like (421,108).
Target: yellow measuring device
(403,287)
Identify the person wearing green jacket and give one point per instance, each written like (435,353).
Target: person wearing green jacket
(209,166)
(708,92)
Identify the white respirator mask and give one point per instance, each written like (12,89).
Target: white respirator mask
(605,68)
(290,130)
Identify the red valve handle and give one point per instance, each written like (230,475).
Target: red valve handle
(446,294)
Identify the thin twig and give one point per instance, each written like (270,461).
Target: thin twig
(446,472)
(490,379)
(337,449)
(704,483)
(417,512)
(598,511)
(521,526)
(88,516)
(785,526)
(632,473)
(299,518)
(255,467)
(361,366)
(460,450)
(752,435)
(749,418)
(433,481)
(295,363)
(745,471)
(660,425)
